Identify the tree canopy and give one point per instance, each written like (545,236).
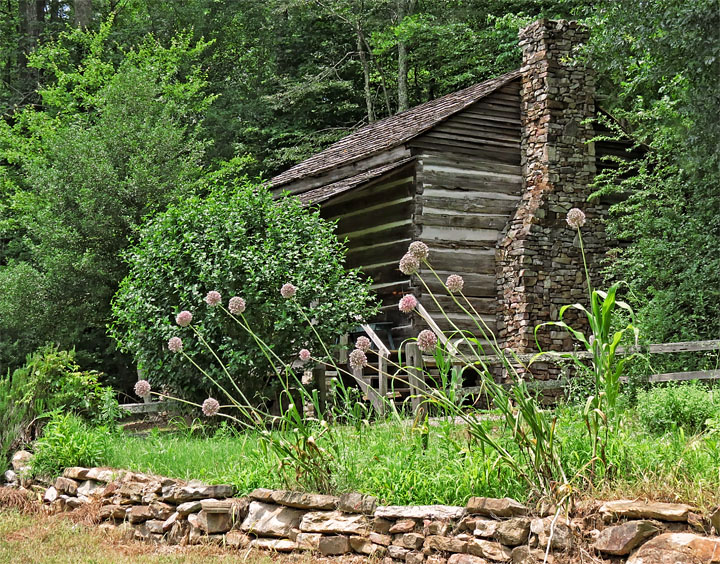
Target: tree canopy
(111,111)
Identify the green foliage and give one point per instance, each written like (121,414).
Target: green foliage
(50,380)
(659,71)
(689,406)
(68,441)
(117,138)
(237,241)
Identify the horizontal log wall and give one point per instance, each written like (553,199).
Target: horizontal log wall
(377,222)
(468,186)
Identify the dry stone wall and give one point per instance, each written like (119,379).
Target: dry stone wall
(486,530)
(539,265)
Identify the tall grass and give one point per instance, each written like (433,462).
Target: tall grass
(388,459)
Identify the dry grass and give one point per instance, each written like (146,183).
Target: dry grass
(34,538)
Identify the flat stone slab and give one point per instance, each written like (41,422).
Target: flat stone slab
(431,512)
(301,500)
(629,509)
(358,503)
(494,507)
(195,491)
(264,519)
(622,539)
(277,545)
(334,522)
(678,548)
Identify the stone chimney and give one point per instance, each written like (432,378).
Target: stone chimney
(540,267)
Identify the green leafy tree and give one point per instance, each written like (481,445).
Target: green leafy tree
(117,137)
(240,242)
(659,71)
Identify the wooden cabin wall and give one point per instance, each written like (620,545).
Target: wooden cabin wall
(469,183)
(377,222)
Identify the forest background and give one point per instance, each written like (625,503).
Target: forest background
(112,110)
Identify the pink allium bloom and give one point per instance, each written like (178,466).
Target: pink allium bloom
(455,283)
(409,264)
(427,340)
(304,355)
(288,290)
(210,407)
(184,318)
(236,305)
(175,344)
(357,359)
(142,388)
(362,343)
(213,298)
(419,250)
(575,218)
(408,303)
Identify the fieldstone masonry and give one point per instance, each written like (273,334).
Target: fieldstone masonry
(485,531)
(539,265)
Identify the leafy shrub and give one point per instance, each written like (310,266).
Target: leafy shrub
(50,380)
(68,441)
(240,242)
(663,408)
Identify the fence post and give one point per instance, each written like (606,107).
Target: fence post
(318,375)
(416,377)
(382,381)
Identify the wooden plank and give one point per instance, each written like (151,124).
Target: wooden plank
(463,260)
(476,284)
(458,141)
(501,157)
(416,376)
(685,346)
(460,220)
(451,161)
(375,217)
(685,376)
(506,127)
(458,235)
(339,173)
(382,349)
(318,376)
(466,138)
(394,232)
(369,255)
(384,273)
(460,176)
(478,132)
(382,192)
(469,205)
(484,305)
(147,407)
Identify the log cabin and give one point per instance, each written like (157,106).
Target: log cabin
(484,176)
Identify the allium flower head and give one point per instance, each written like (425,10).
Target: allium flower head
(362,343)
(427,340)
(213,298)
(409,264)
(142,388)
(357,359)
(455,283)
(184,318)
(304,355)
(419,250)
(210,407)
(175,344)
(408,303)
(288,290)
(575,218)
(236,305)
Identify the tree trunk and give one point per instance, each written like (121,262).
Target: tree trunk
(366,72)
(83,13)
(402,90)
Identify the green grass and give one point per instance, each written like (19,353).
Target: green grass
(388,460)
